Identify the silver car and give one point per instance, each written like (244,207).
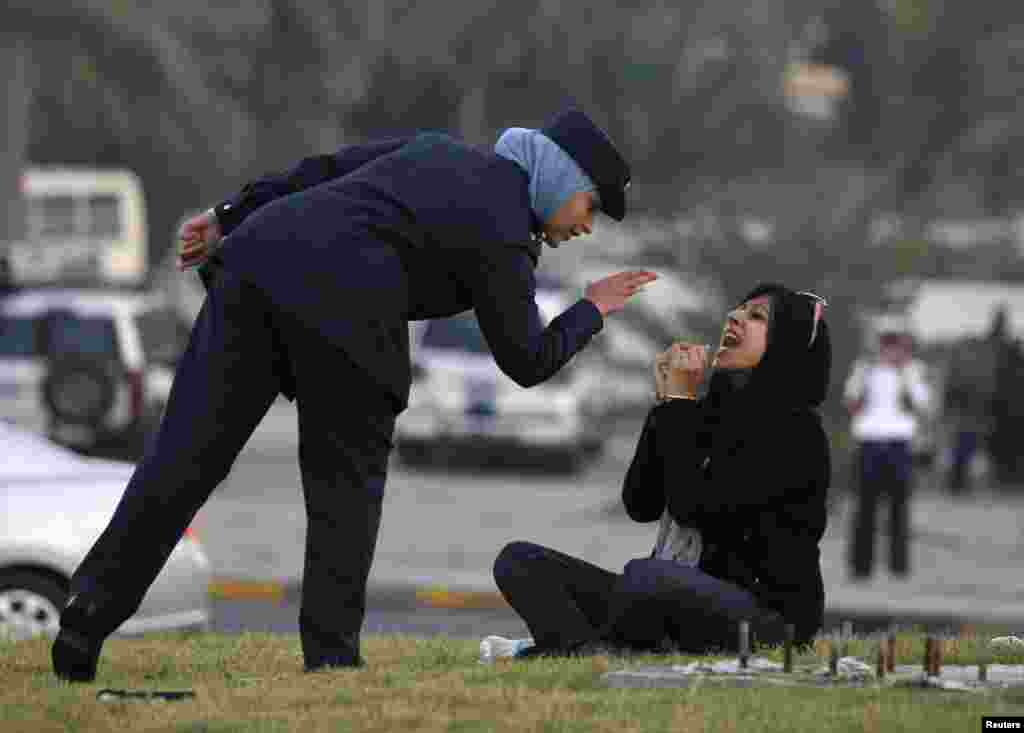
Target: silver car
(53,505)
(461,402)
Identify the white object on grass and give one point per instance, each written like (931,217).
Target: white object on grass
(498,646)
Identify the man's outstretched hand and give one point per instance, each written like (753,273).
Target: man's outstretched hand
(611,293)
(198,238)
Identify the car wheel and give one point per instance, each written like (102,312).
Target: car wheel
(79,390)
(30,604)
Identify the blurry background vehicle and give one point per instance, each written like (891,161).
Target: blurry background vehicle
(53,505)
(670,309)
(82,225)
(943,312)
(460,399)
(90,369)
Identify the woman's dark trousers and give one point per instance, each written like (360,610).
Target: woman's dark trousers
(225,383)
(885,471)
(567,603)
(964,449)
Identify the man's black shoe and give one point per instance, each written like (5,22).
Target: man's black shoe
(75,656)
(321,651)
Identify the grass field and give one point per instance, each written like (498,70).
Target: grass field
(254,682)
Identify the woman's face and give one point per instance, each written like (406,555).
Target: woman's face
(745,335)
(576,217)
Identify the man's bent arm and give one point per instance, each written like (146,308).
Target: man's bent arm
(503,288)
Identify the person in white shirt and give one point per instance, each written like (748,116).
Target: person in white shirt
(887,396)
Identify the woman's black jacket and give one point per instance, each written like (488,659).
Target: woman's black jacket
(757,493)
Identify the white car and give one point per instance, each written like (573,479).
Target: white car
(672,308)
(88,368)
(53,505)
(460,399)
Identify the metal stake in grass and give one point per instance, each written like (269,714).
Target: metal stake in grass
(833,657)
(787,649)
(744,643)
(882,662)
(929,656)
(890,656)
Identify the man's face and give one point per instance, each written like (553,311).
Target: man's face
(895,349)
(576,217)
(745,335)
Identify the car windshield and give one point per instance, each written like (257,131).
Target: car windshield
(459,333)
(164,335)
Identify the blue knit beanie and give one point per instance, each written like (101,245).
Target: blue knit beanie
(554,176)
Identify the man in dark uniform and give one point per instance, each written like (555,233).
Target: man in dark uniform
(312,277)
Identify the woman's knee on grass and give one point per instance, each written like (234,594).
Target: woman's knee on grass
(514,560)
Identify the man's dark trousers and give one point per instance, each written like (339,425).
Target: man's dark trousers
(225,383)
(886,468)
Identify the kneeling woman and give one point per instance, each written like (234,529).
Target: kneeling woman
(738,482)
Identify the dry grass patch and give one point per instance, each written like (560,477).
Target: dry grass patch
(255,682)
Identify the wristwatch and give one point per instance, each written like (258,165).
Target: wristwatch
(229,215)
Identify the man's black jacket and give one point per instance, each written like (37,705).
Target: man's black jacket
(358,243)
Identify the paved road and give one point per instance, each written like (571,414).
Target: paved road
(234,616)
(442,529)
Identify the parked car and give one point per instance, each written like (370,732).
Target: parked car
(672,308)
(88,368)
(53,505)
(460,400)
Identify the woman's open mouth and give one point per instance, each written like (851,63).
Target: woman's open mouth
(730,339)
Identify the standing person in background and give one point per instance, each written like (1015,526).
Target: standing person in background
(319,272)
(969,402)
(887,396)
(1008,413)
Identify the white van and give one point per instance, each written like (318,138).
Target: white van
(83,226)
